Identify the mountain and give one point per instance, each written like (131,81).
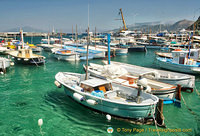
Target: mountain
(196,24)
(157,26)
(25,29)
(181,24)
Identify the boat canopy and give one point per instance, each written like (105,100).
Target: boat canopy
(95,82)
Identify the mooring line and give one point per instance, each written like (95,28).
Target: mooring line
(196,91)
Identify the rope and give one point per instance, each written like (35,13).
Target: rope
(41,131)
(197,91)
(155,119)
(163,118)
(34,62)
(186,105)
(168,122)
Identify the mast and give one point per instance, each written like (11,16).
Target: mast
(48,39)
(22,38)
(123,21)
(61,38)
(76,38)
(72,32)
(86,76)
(95,37)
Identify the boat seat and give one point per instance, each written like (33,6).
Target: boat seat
(102,88)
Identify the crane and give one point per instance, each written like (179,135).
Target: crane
(123,21)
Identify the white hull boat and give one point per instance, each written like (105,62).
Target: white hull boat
(64,54)
(102,96)
(185,80)
(120,76)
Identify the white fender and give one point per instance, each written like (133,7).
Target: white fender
(78,97)
(91,102)
(57,84)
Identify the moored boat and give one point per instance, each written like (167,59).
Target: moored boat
(105,97)
(180,62)
(26,56)
(119,75)
(185,80)
(65,54)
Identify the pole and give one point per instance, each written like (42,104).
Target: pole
(88,40)
(22,38)
(76,35)
(95,37)
(61,39)
(108,36)
(72,32)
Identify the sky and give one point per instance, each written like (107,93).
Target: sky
(103,14)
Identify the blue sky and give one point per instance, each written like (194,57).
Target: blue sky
(62,14)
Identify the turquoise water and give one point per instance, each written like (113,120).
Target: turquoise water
(28,93)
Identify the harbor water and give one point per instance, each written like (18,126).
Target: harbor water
(28,93)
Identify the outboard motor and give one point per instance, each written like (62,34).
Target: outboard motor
(142,85)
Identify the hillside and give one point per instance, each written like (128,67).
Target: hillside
(196,24)
(156,26)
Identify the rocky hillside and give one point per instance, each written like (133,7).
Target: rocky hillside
(196,24)
(182,24)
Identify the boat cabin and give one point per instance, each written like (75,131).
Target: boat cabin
(25,53)
(96,86)
(181,57)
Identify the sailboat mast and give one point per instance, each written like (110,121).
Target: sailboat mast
(61,38)
(48,39)
(22,38)
(76,35)
(95,37)
(72,32)
(86,76)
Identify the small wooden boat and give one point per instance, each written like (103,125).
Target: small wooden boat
(120,76)
(65,54)
(25,56)
(101,95)
(185,80)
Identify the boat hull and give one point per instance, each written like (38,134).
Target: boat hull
(121,51)
(165,94)
(177,67)
(187,81)
(31,61)
(71,57)
(120,110)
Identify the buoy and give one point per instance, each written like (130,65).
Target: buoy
(91,102)
(12,63)
(26,59)
(57,84)
(40,122)
(2,73)
(78,97)
(108,117)
(18,59)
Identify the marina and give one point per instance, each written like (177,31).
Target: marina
(139,78)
